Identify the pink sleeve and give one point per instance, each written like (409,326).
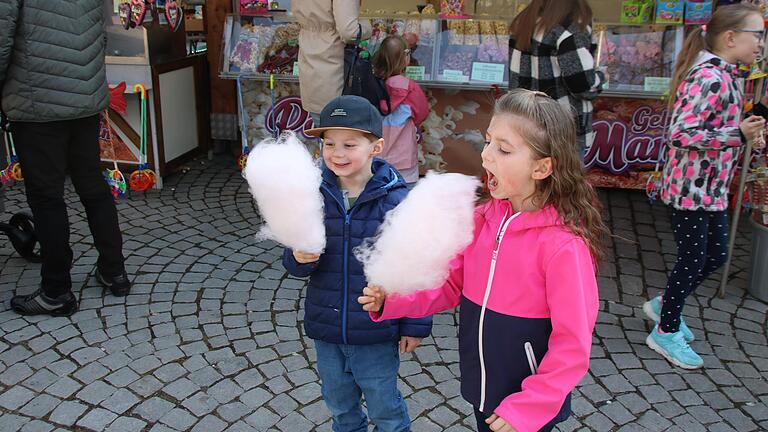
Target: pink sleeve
(426,303)
(573,303)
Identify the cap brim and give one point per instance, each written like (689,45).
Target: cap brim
(318,132)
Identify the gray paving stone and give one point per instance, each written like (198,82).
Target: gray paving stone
(153,409)
(210,423)
(146,386)
(126,424)
(40,406)
(179,419)
(97,419)
(15,397)
(120,401)
(201,404)
(181,389)
(95,392)
(37,426)
(262,419)
(67,413)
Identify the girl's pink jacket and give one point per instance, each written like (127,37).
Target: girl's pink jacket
(529,302)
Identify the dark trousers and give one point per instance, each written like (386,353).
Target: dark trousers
(482,426)
(702,247)
(47,152)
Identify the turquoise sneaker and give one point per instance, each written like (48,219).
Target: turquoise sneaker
(652,309)
(674,348)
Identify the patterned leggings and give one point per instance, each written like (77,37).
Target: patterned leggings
(702,247)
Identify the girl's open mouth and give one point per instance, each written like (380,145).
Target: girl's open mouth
(493,182)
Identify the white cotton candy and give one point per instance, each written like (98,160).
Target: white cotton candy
(418,239)
(285,182)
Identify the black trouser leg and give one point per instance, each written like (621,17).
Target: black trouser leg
(42,149)
(702,248)
(86,173)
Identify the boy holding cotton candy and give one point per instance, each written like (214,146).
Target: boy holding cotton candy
(355,356)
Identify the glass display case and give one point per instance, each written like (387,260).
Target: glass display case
(465,53)
(256,46)
(637,59)
(473,51)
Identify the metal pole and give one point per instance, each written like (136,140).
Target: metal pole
(736,214)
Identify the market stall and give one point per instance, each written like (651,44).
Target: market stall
(461,59)
(153,53)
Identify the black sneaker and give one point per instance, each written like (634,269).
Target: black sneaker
(38,303)
(119,285)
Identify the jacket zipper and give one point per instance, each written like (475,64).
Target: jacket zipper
(531,358)
(345,261)
(345,264)
(499,236)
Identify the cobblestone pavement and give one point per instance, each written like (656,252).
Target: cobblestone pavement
(211,339)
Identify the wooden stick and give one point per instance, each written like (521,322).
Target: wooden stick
(736,215)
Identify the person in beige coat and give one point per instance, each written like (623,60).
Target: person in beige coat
(326,26)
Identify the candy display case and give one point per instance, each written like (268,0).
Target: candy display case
(256,46)
(637,60)
(474,52)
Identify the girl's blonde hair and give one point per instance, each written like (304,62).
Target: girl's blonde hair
(725,18)
(390,59)
(550,131)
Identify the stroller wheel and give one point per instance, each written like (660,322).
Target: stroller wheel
(22,234)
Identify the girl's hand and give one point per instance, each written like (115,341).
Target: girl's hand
(752,126)
(372,299)
(764,101)
(408,344)
(498,424)
(304,257)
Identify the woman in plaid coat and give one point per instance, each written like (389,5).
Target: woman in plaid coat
(552,52)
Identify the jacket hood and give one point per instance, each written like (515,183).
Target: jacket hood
(495,210)
(708,57)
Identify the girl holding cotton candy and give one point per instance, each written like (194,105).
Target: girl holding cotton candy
(526,283)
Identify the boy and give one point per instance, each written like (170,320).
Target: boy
(354,355)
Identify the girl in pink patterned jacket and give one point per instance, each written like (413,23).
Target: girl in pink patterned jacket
(409,108)
(526,284)
(707,135)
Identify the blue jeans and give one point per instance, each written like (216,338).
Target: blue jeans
(348,372)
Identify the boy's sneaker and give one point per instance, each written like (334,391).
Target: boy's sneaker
(652,309)
(38,303)
(674,348)
(119,285)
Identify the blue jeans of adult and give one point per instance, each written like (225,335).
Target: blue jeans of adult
(349,372)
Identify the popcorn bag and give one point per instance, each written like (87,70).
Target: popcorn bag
(452,9)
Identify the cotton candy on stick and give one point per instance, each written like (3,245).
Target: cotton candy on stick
(285,182)
(414,246)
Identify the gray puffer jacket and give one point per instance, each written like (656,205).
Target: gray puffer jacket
(52,59)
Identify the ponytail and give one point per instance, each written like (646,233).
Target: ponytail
(725,18)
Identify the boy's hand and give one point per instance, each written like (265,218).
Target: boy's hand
(372,298)
(304,257)
(408,344)
(498,424)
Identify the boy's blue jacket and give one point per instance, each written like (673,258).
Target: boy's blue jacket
(332,312)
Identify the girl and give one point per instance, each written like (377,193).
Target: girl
(526,284)
(550,49)
(409,108)
(705,140)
